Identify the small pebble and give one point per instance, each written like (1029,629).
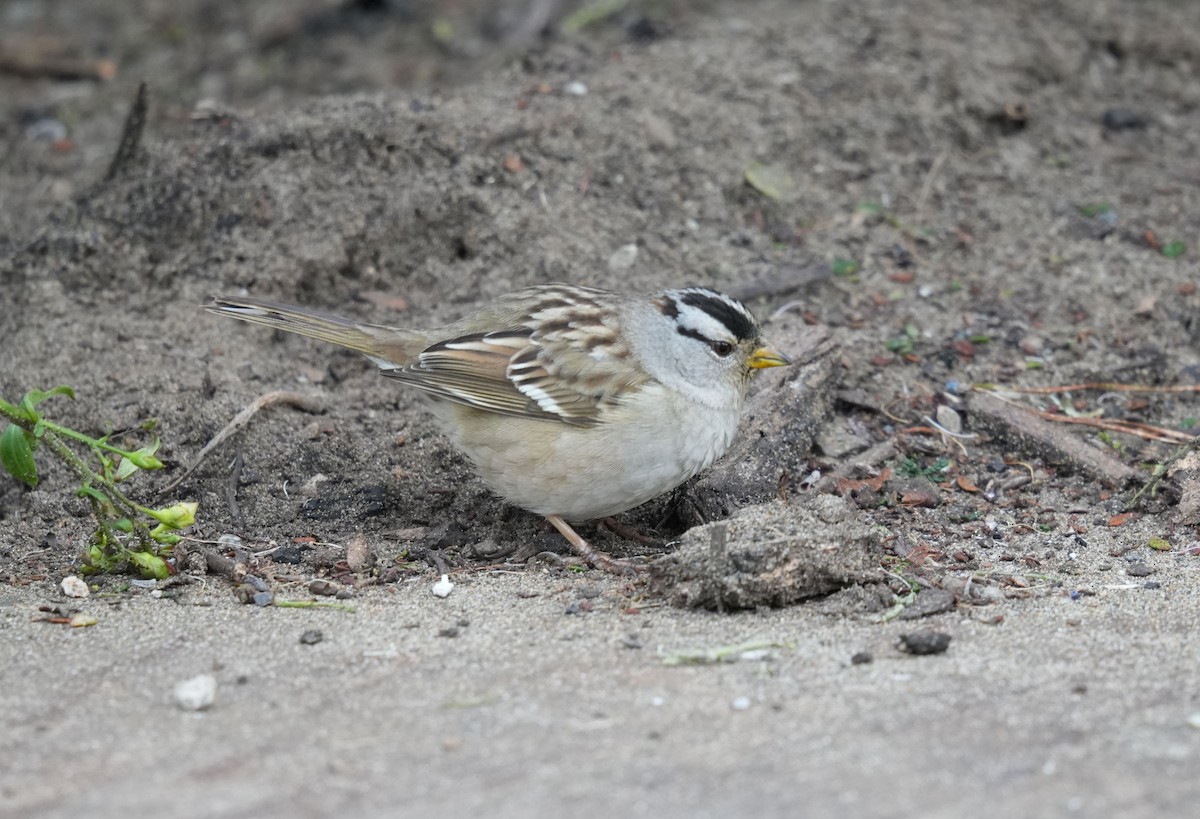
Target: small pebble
(311,637)
(197,693)
(73,586)
(1194,720)
(949,418)
(323,588)
(229,541)
(1152,584)
(47,129)
(443,587)
(575,88)
(264,598)
(1139,570)
(862,658)
(741,704)
(1123,119)
(926,642)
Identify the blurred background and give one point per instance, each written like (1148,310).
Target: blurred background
(69,69)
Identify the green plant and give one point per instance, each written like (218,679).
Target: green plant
(910,467)
(127,535)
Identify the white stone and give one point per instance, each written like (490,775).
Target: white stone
(197,693)
(73,586)
(443,587)
(623,257)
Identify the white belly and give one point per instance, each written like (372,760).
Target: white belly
(580,473)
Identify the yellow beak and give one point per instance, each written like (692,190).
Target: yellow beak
(763,357)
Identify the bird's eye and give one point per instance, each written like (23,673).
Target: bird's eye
(722,348)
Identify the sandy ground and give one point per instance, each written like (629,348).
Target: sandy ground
(1005,195)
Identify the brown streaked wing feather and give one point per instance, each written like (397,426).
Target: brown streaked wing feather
(516,372)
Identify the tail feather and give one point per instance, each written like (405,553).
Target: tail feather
(388,347)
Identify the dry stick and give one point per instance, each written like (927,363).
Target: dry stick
(235,474)
(927,185)
(1102,385)
(1151,486)
(57,68)
(131,134)
(293,399)
(1147,431)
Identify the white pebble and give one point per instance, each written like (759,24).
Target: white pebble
(1194,720)
(741,703)
(443,587)
(949,419)
(197,693)
(73,586)
(623,257)
(575,88)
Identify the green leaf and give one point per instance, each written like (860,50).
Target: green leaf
(35,397)
(1173,250)
(150,565)
(16,453)
(1095,210)
(92,492)
(144,457)
(127,468)
(591,13)
(175,517)
(844,267)
(98,561)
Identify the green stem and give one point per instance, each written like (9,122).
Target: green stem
(120,503)
(84,439)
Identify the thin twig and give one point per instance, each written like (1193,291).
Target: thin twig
(131,134)
(57,68)
(235,475)
(293,399)
(1151,486)
(927,185)
(1099,385)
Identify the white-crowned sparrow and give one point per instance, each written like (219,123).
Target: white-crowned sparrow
(573,402)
